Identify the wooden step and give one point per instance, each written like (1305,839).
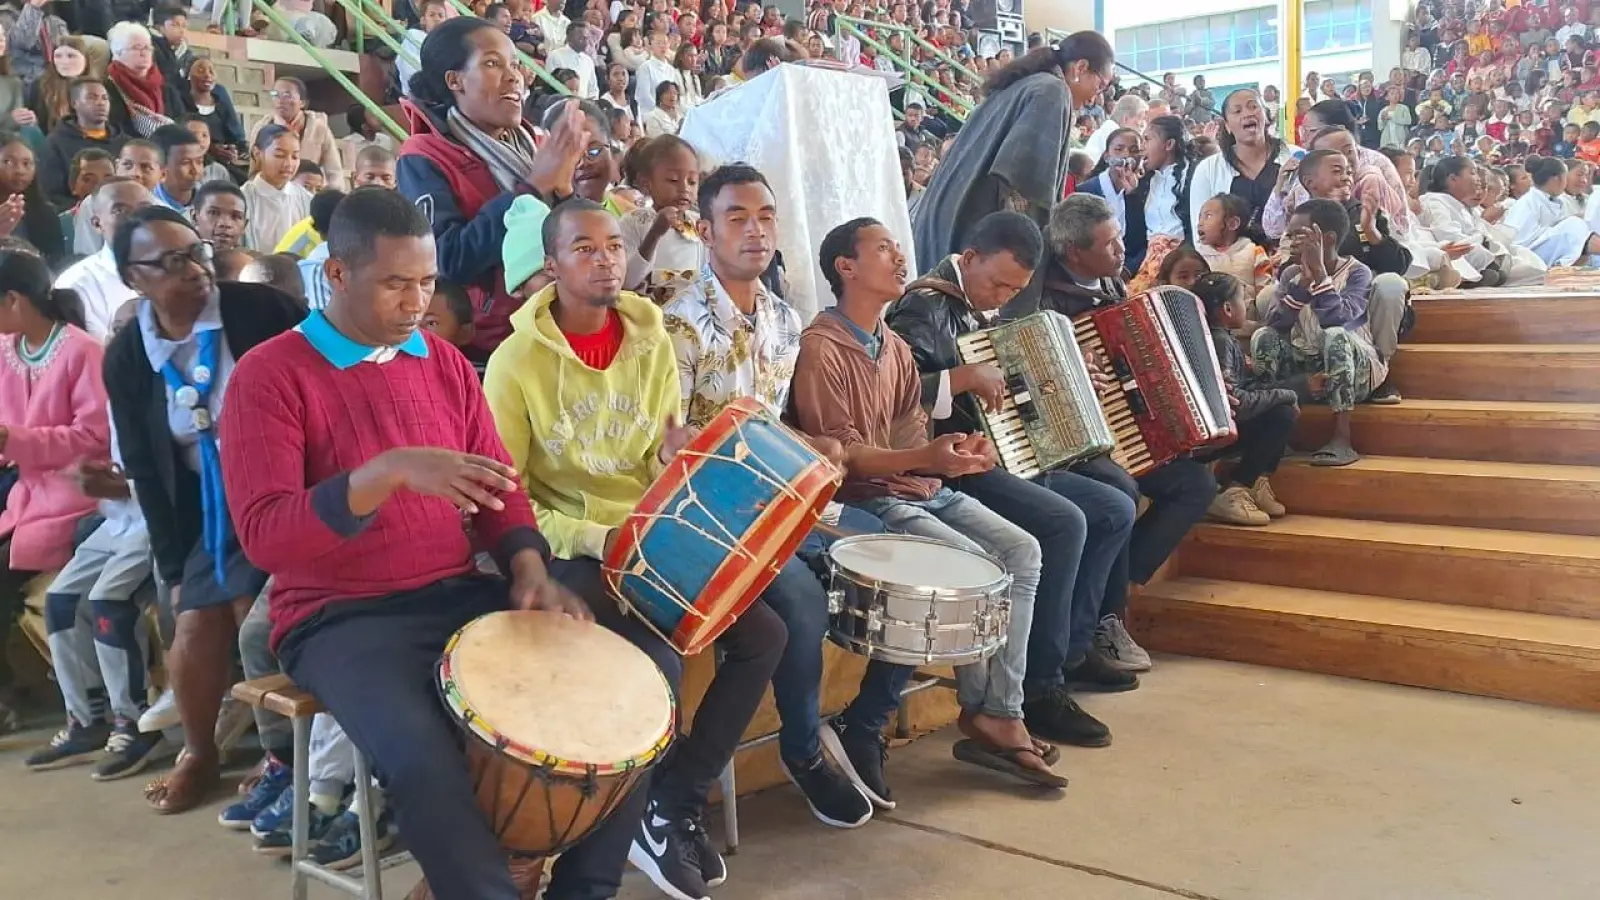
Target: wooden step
(1530,372)
(1515,496)
(1506,320)
(1553,574)
(1492,653)
(1496,430)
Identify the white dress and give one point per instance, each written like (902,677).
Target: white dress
(1543,226)
(1449,221)
(270,213)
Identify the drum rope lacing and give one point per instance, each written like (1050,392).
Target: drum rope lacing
(728,541)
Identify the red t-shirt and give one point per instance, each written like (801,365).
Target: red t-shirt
(597,350)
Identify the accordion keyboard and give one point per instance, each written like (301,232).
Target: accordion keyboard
(1130,452)
(1005,425)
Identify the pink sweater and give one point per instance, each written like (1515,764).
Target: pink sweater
(55,416)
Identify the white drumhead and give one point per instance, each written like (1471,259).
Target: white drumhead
(915,562)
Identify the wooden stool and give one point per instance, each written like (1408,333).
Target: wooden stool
(276,693)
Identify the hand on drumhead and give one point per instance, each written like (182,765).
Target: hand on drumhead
(674,438)
(465,479)
(533,590)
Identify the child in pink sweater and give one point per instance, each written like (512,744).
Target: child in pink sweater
(52,414)
(1225,251)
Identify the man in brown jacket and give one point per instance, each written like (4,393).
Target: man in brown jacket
(855,381)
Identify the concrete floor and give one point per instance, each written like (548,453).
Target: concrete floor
(1226,782)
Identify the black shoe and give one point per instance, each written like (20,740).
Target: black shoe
(860,754)
(712,867)
(668,852)
(833,798)
(1058,718)
(71,746)
(1097,675)
(129,751)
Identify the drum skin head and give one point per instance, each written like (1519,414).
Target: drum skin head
(559,692)
(915,563)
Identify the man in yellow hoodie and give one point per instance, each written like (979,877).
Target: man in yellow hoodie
(585,395)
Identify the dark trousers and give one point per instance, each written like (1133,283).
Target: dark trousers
(374,669)
(1061,529)
(1179,493)
(1263,439)
(750,652)
(13,584)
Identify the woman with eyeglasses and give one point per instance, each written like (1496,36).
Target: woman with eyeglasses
(1012,151)
(470,154)
(167,379)
(54,409)
(141,98)
(310,127)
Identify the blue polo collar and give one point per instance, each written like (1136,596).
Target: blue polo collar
(344,353)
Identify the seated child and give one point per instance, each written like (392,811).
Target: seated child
(1266,416)
(1542,223)
(89,167)
(1316,327)
(1219,240)
(1328,175)
(1182,267)
(1079,165)
(1567,147)
(449,314)
(309,176)
(374,167)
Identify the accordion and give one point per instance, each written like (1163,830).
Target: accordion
(1170,397)
(1050,417)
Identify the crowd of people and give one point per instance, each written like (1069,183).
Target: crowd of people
(409,340)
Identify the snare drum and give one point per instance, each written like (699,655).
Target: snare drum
(562,720)
(914,600)
(715,528)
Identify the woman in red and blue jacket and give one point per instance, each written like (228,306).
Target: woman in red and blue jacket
(470,154)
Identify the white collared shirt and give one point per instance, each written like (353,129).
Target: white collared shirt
(96,280)
(567,57)
(1161,204)
(184,354)
(944,403)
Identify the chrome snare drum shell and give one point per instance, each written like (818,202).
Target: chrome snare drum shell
(885,601)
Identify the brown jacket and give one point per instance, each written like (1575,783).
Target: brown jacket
(841,392)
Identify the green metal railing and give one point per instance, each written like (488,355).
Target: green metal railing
(529,62)
(264,7)
(365,15)
(958,107)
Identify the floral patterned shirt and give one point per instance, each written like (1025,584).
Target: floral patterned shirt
(724,354)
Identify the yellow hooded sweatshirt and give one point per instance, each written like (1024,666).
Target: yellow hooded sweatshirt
(584,441)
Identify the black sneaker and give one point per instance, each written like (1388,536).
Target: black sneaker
(1097,675)
(339,848)
(712,867)
(833,798)
(129,751)
(1385,394)
(71,746)
(1058,718)
(860,753)
(668,852)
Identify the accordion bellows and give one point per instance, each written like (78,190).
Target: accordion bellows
(1170,398)
(1050,417)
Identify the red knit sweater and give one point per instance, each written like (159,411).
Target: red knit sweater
(295,428)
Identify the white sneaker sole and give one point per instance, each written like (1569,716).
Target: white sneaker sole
(833,823)
(161,716)
(835,749)
(641,859)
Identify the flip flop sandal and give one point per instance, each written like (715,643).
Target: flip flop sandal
(1343,456)
(168,804)
(1050,753)
(1004,760)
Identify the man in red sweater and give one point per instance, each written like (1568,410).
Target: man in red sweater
(352,447)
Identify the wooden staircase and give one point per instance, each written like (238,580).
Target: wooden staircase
(1462,553)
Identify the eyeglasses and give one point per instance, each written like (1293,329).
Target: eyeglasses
(282,95)
(173,261)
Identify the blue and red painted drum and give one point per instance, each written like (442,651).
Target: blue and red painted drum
(714,529)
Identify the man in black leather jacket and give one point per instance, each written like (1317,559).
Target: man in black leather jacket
(1060,509)
(1084,273)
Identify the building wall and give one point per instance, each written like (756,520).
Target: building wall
(1061,15)
(1234,43)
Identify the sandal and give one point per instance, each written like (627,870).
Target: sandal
(1050,753)
(1004,760)
(181,790)
(1331,456)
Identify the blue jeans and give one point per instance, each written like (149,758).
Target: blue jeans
(878,695)
(1082,526)
(993,687)
(797,596)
